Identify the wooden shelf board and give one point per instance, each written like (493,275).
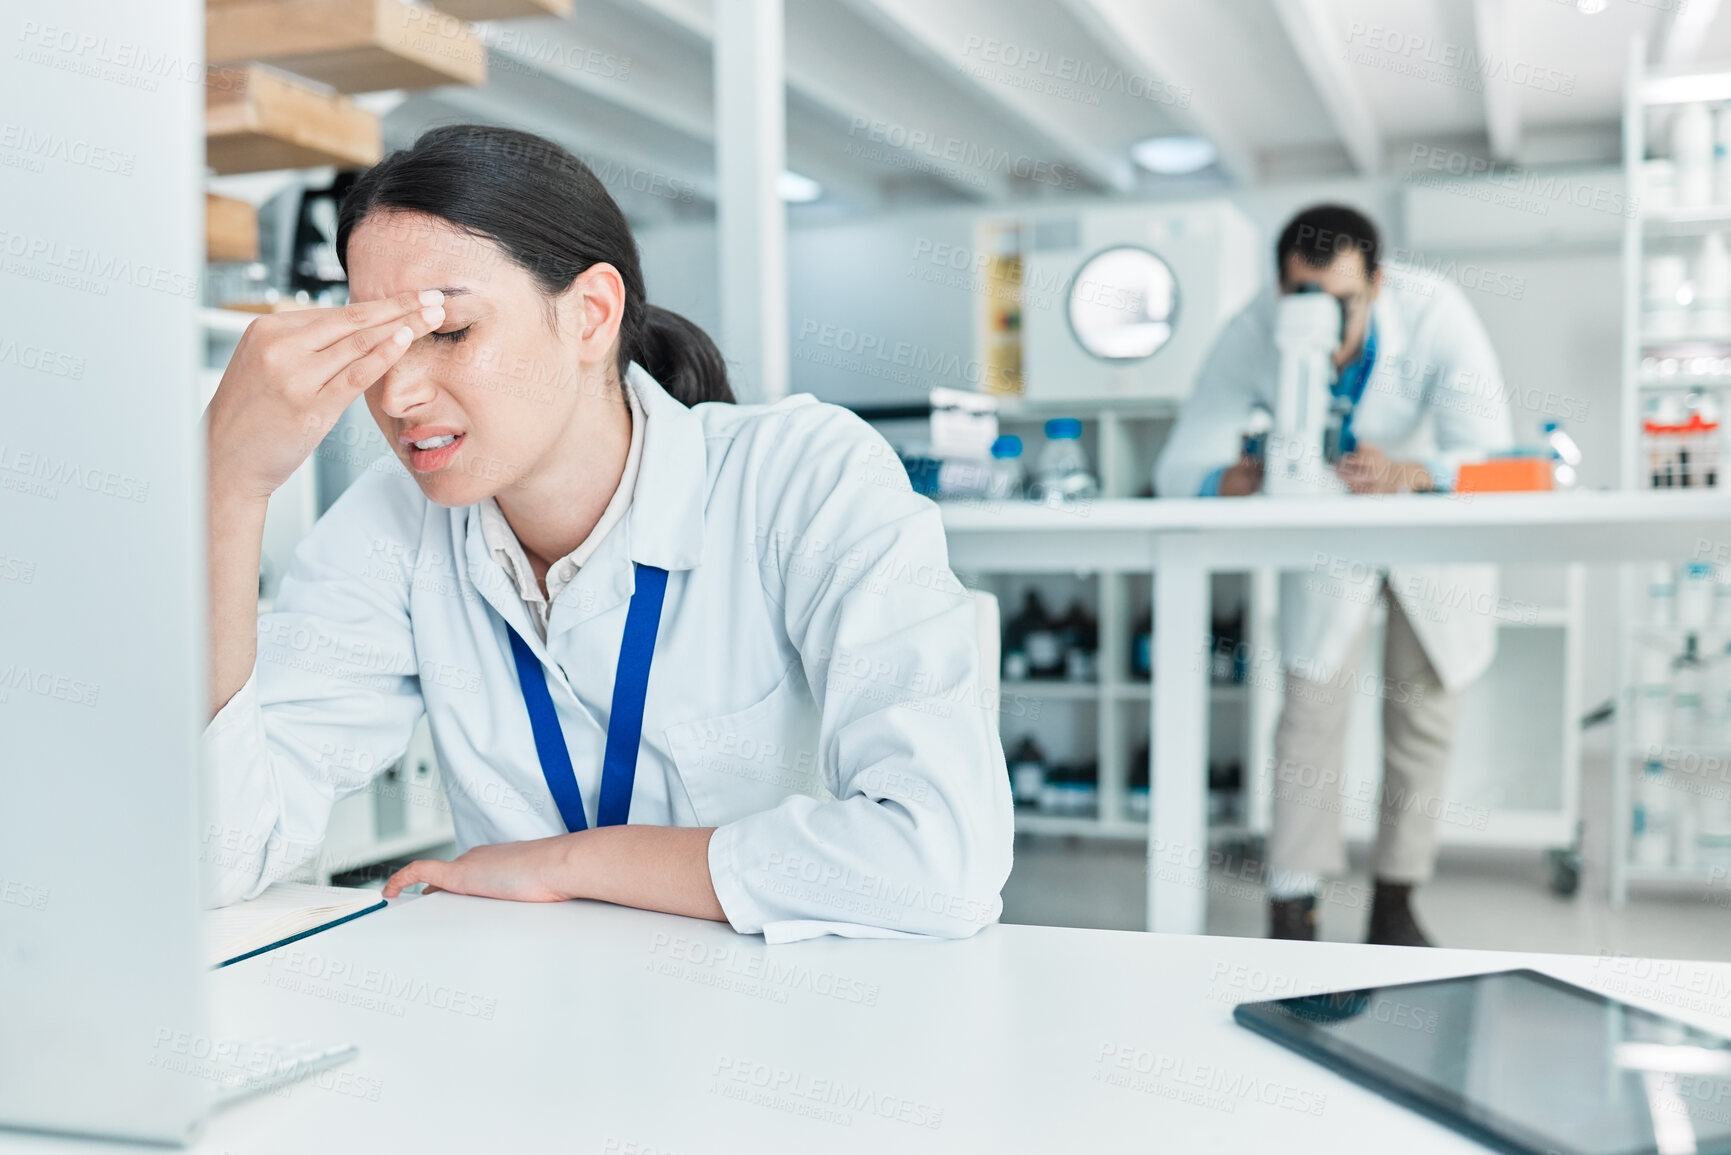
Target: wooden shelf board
(258,119)
(350,45)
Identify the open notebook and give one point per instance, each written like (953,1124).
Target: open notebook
(284,912)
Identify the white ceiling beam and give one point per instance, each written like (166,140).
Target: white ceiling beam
(817,147)
(631,102)
(1494,34)
(627,63)
(858,120)
(610,63)
(1317,44)
(840,63)
(664,172)
(1130,33)
(919,27)
(696,18)
(857,85)
(1680,41)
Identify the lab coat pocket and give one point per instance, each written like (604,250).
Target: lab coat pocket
(738,764)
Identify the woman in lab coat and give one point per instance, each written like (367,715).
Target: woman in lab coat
(674,653)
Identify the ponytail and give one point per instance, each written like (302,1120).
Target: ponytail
(682,357)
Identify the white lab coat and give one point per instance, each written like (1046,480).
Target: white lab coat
(1435,396)
(814,693)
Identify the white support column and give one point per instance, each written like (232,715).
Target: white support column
(751,221)
(1178,784)
(1494,33)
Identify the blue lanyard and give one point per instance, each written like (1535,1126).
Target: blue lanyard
(624,724)
(1351,385)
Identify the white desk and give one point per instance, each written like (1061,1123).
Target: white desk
(1184,541)
(578,1027)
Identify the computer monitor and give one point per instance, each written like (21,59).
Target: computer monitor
(102,589)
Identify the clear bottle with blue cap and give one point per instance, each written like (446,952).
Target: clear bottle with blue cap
(1006,480)
(1063,474)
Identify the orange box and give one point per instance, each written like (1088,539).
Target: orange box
(1504,475)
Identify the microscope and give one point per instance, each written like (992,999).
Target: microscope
(1302,439)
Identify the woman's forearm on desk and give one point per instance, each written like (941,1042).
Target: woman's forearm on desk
(664,868)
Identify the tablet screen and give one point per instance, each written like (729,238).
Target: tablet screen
(1522,1060)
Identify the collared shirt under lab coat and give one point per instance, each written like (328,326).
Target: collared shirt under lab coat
(1436,396)
(508,551)
(815,692)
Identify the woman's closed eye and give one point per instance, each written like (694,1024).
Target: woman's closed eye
(453,335)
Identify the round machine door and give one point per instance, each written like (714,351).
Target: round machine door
(1123,304)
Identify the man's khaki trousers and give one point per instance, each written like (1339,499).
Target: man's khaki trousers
(1418,721)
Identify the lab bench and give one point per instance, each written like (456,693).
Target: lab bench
(1177,545)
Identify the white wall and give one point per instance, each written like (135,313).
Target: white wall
(681,272)
(844,281)
(872,323)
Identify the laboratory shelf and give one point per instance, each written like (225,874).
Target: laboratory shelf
(1717,877)
(1686,222)
(1126,691)
(1054,689)
(1080,826)
(1685,342)
(1244,713)
(1038,409)
(1664,86)
(1087,826)
(1720,753)
(1678,635)
(1649,94)
(1542,618)
(1132,691)
(225,320)
(1671,384)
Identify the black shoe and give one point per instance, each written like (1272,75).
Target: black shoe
(1391,920)
(1293,918)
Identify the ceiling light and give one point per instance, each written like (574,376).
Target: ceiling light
(796,189)
(1591,7)
(1173,155)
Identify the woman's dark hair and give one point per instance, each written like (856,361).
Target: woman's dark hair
(553,217)
(1321,233)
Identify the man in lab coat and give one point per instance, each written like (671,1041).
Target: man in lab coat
(1426,395)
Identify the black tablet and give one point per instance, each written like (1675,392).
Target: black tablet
(1521,1062)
